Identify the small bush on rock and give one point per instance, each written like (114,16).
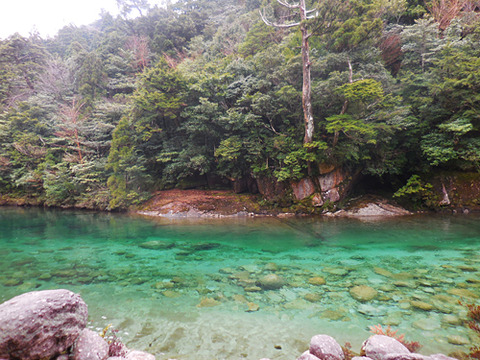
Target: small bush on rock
(474,324)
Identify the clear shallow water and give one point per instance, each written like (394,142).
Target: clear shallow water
(154,297)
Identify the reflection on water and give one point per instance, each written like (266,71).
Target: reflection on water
(196,289)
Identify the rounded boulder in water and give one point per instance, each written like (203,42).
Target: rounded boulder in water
(271,282)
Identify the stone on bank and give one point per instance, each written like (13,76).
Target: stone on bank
(376,347)
(40,324)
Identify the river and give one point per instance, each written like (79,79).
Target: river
(194,288)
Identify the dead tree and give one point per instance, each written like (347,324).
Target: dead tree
(301,9)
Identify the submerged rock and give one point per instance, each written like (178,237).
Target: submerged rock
(156,245)
(317,280)
(208,302)
(421,305)
(363,293)
(271,282)
(313,297)
(463,293)
(40,324)
(252,307)
(457,340)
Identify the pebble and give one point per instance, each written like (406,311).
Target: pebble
(253,289)
(156,245)
(403,284)
(428,324)
(313,297)
(252,307)
(381,271)
(271,267)
(363,293)
(317,281)
(250,268)
(334,315)
(240,298)
(271,282)
(451,320)
(170,294)
(336,271)
(208,302)
(371,310)
(226,271)
(463,293)
(403,276)
(421,305)
(457,340)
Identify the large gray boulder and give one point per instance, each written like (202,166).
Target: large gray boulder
(90,346)
(40,324)
(326,347)
(378,347)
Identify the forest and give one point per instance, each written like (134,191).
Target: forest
(207,92)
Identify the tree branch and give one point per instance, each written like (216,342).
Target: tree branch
(269,23)
(287,5)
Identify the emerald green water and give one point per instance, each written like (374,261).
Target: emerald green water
(153,296)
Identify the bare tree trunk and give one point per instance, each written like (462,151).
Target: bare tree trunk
(305,14)
(307,84)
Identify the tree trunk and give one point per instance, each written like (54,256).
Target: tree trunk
(307,86)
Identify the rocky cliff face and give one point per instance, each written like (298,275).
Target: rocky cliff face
(456,190)
(332,185)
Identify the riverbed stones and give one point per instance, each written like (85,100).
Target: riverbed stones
(271,267)
(208,302)
(337,271)
(313,297)
(326,347)
(421,305)
(40,324)
(252,307)
(463,293)
(428,323)
(271,282)
(156,245)
(317,281)
(457,340)
(90,346)
(452,320)
(377,347)
(363,293)
(383,272)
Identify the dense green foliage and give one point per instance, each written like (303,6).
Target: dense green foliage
(100,116)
